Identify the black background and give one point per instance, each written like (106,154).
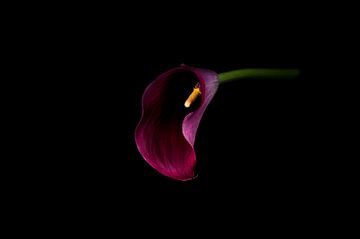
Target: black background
(258,145)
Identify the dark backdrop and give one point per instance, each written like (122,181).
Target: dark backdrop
(257,145)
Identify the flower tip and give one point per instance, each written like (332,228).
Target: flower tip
(196,92)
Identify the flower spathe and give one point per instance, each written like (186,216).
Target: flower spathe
(165,135)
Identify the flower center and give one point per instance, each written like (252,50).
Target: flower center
(192,97)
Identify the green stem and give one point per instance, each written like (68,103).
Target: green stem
(258,74)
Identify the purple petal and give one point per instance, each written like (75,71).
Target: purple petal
(165,135)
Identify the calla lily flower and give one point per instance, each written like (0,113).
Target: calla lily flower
(165,135)
(172,108)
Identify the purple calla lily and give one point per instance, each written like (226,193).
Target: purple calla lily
(165,135)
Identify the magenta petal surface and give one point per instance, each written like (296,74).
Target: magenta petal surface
(165,135)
